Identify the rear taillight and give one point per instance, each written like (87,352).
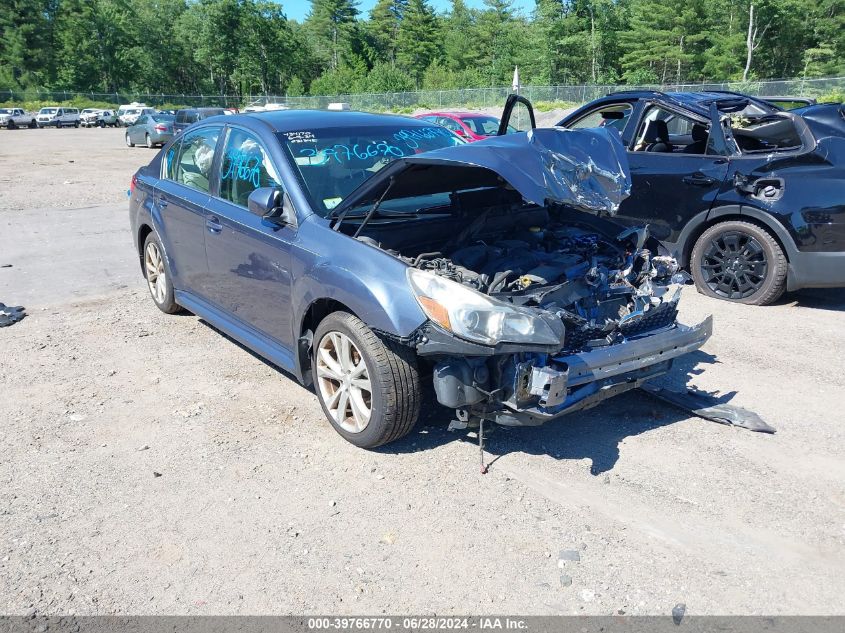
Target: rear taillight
(132,184)
(161,128)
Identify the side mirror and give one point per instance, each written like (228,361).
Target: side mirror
(272,204)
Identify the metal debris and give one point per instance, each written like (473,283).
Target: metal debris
(10,314)
(705,406)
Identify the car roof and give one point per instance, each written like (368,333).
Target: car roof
(698,102)
(297,120)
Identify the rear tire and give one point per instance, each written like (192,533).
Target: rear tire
(368,386)
(150,144)
(739,261)
(157,274)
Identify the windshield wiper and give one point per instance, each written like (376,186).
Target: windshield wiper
(372,212)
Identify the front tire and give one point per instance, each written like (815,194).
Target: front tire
(368,386)
(157,274)
(739,261)
(129,143)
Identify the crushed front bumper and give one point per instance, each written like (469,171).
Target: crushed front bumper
(532,389)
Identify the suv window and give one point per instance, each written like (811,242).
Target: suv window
(192,165)
(614,115)
(245,167)
(664,131)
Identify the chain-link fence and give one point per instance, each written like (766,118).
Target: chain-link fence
(461,98)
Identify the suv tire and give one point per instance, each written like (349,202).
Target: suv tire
(739,261)
(368,386)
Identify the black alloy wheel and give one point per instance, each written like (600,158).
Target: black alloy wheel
(734,265)
(739,261)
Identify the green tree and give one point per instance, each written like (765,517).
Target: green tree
(25,42)
(416,42)
(460,45)
(665,38)
(383,27)
(295,87)
(332,23)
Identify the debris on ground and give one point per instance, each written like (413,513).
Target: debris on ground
(678,612)
(11,314)
(704,405)
(568,555)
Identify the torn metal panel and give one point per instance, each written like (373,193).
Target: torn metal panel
(10,314)
(705,406)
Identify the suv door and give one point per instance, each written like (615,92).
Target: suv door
(671,186)
(249,256)
(518,114)
(182,196)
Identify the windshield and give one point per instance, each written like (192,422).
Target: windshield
(333,162)
(49,110)
(484,125)
(162,117)
(5,111)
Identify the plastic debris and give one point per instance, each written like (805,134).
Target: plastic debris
(10,314)
(705,406)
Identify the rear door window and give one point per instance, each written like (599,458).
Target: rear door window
(245,166)
(195,158)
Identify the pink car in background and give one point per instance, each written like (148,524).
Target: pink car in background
(470,126)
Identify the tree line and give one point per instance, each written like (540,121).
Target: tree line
(240,47)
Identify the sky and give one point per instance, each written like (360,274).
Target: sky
(298,9)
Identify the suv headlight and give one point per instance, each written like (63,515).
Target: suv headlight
(476,317)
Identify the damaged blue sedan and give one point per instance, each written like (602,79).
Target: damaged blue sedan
(376,257)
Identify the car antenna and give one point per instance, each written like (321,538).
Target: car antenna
(374,208)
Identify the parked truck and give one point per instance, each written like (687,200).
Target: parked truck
(16,117)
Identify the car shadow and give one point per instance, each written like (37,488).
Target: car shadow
(594,434)
(818,298)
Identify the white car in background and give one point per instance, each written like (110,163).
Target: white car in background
(58,117)
(131,116)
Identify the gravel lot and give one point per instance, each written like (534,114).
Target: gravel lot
(150,465)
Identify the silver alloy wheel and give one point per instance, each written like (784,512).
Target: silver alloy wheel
(156,278)
(128,142)
(149,142)
(344,382)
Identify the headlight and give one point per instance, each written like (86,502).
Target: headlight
(474,316)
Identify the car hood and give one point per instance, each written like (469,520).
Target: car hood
(584,169)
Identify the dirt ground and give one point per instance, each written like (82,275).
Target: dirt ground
(152,466)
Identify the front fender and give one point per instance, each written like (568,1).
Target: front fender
(369,281)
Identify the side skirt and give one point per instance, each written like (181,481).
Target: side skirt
(259,343)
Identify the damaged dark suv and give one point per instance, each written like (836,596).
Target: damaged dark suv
(376,256)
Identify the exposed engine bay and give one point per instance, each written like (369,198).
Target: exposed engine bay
(600,288)
(538,304)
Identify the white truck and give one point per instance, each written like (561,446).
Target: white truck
(16,117)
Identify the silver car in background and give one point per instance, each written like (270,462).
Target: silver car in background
(150,130)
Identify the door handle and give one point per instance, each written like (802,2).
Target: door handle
(162,203)
(213,225)
(699,180)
